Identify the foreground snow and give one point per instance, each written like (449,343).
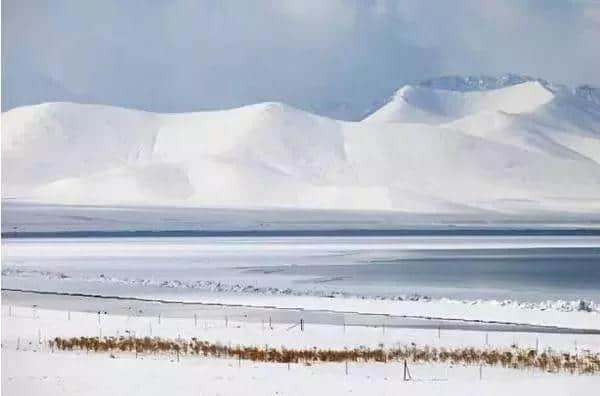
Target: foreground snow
(30,373)
(33,369)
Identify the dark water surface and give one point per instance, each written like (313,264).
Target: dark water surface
(523,267)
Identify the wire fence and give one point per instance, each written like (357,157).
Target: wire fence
(514,357)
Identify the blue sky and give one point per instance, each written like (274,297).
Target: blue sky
(333,57)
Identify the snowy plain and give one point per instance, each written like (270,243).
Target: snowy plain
(31,373)
(30,366)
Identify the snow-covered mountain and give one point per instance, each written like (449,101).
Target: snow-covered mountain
(478,83)
(468,145)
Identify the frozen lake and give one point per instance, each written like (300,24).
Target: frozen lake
(524,268)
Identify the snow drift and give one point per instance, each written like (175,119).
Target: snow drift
(442,146)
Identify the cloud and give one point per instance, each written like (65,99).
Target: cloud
(335,57)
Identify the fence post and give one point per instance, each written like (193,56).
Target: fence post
(195,320)
(226,321)
(346,367)
(301,324)
(407,376)
(480,372)
(270,324)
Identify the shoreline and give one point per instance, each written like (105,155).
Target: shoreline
(337,317)
(447,231)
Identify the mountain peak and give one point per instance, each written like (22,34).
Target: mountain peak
(478,83)
(482,82)
(449,99)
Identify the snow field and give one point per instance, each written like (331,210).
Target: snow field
(35,370)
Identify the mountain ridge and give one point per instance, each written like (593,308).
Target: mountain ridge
(518,148)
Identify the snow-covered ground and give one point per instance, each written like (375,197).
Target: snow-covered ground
(31,373)
(35,369)
(32,323)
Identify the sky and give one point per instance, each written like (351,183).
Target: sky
(336,58)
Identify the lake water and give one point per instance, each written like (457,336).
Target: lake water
(525,268)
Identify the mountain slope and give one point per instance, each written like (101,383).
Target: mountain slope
(521,147)
(431,106)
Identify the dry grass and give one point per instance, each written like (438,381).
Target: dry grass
(514,357)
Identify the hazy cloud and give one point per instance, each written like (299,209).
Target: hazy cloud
(336,57)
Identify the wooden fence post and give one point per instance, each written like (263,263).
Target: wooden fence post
(406,372)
